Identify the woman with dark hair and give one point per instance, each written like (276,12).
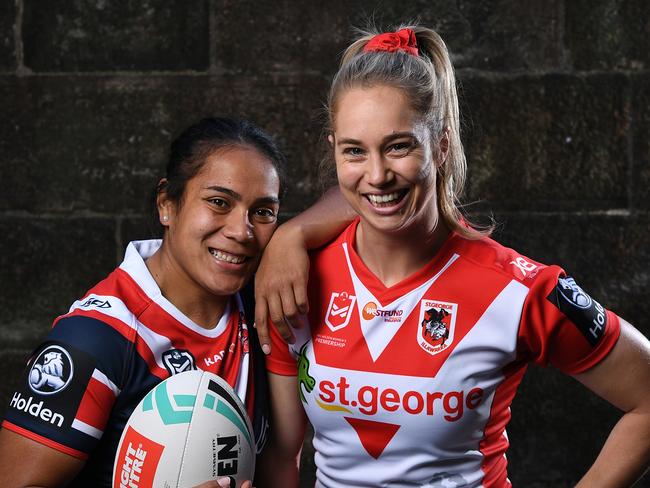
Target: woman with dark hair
(420,327)
(172,305)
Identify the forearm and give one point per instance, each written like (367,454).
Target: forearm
(321,222)
(624,457)
(275,470)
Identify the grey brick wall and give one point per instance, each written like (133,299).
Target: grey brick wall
(556,109)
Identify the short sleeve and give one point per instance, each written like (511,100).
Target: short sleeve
(65,395)
(564,326)
(280,361)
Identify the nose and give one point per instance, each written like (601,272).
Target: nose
(238,227)
(378,171)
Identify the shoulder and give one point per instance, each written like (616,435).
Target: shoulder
(488,254)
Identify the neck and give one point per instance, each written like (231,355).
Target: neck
(200,306)
(392,257)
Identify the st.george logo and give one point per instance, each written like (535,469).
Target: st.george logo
(52,371)
(178,360)
(339,310)
(437,323)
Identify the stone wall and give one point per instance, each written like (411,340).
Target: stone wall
(556,110)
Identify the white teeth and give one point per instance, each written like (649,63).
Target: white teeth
(229,258)
(383,198)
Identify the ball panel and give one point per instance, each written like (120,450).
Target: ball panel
(219,439)
(188,429)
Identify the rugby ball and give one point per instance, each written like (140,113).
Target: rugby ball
(189,429)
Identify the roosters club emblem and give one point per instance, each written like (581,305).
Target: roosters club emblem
(437,321)
(339,310)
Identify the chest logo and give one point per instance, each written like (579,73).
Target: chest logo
(437,323)
(178,360)
(339,310)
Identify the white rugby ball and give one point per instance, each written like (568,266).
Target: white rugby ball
(189,429)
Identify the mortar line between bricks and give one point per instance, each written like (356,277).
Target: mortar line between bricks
(630,114)
(21,70)
(487,74)
(212,36)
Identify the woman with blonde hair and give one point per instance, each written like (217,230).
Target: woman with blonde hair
(420,327)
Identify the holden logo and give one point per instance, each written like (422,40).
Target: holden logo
(52,371)
(572,293)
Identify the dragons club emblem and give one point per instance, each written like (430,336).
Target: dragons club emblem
(437,321)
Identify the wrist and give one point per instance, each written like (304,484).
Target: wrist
(290,232)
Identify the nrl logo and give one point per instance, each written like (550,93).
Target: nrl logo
(178,360)
(437,323)
(339,310)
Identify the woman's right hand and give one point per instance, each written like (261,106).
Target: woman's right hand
(281,285)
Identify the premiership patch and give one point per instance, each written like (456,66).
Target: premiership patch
(53,386)
(585,313)
(437,324)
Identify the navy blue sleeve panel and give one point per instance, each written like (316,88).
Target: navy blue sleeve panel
(51,404)
(110,348)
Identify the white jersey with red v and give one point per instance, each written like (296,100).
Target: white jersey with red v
(411,385)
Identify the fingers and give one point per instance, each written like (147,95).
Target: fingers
(277,315)
(300,295)
(290,308)
(261,324)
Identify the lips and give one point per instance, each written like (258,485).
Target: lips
(384,200)
(227,257)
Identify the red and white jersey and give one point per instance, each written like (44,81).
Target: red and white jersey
(112,347)
(411,385)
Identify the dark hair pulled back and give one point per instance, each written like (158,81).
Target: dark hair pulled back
(189,151)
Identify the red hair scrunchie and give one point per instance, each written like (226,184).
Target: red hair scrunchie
(402,40)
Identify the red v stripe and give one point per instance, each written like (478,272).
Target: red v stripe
(374,436)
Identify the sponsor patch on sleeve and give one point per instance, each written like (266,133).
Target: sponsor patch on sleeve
(52,388)
(585,313)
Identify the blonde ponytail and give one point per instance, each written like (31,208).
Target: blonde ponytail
(429,83)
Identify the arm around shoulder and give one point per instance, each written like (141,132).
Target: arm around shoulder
(281,280)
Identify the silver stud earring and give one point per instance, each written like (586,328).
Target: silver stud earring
(165,218)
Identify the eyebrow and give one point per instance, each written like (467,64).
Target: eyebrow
(390,137)
(238,197)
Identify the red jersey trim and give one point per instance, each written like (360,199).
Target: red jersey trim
(605,346)
(44,440)
(282,368)
(94,408)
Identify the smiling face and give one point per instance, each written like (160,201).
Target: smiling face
(216,234)
(384,160)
